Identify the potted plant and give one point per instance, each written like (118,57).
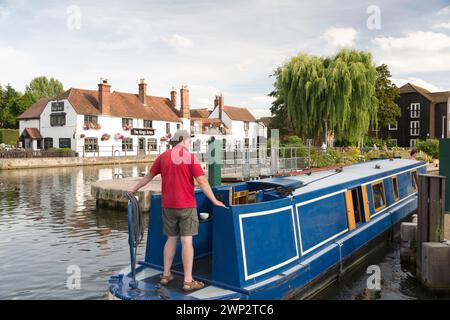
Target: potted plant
(118,136)
(82,136)
(105,137)
(98,126)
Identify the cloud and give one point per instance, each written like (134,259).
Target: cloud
(420,40)
(443,25)
(444,11)
(340,37)
(417,81)
(3,13)
(179,42)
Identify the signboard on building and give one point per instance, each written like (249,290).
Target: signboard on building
(143,132)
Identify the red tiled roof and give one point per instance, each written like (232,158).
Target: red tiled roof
(34,112)
(200,113)
(126,105)
(33,133)
(238,113)
(265,120)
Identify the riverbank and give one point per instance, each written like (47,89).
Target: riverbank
(30,163)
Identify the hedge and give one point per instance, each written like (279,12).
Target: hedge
(9,136)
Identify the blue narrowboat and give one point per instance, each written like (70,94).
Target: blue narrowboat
(280,237)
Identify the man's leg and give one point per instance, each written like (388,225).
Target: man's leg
(169,252)
(188,257)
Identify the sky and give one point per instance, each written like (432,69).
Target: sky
(215,47)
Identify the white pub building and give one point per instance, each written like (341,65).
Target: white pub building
(104,123)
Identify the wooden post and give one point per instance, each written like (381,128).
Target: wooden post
(444,167)
(431,191)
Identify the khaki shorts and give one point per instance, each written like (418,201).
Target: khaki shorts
(180,222)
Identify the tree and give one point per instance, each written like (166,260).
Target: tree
(41,87)
(12,104)
(332,96)
(386,92)
(280,119)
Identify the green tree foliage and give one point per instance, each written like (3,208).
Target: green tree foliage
(386,93)
(42,87)
(329,95)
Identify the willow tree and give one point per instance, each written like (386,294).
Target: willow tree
(333,95)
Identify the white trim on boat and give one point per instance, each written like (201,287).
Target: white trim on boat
(395,203)
(211,292)
(393,175)
(147,273)
(297,205)
(244,258)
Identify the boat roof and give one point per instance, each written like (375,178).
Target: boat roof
(359,173)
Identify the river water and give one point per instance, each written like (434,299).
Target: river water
(50,227)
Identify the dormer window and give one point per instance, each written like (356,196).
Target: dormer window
(57,106)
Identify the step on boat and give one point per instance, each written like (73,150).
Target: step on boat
(280,237)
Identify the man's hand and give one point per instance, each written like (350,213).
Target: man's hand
(218,203)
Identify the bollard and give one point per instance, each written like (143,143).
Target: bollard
(430,225)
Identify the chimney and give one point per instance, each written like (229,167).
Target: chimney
(104,97)
(143,91)
(220,103)
(184,104)
(173,97)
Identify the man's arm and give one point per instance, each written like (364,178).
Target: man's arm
(206,188)
(148,177)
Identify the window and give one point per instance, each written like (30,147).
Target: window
(224,144)
(152,144)
(412,143)
(90,144)
(64,142)
(415,128)
(58,119)
(178,126)
(127,122)
(414,180)
(378,196)
(246,125)
(90,119)
(395,188)
(127,144)
(415,110)
(148,124)
(196,128)
(393,126)
(196,146)
(57,106)
(48,143)
(167,128)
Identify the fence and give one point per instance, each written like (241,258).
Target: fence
(260,161)
(25,153)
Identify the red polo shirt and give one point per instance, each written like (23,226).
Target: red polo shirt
(178,168)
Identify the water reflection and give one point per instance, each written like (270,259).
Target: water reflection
(49,221)
(397,281)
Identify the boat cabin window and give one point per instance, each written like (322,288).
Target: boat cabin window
(356,205)
(395,188)
(414,180)
(378,195)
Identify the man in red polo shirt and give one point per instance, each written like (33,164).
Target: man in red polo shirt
(178,168)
